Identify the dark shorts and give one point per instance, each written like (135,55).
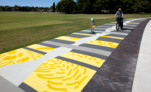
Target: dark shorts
(121,19)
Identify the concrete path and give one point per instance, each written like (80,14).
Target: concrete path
(66,63)
(142,80)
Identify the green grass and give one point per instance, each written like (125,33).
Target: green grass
(19,29)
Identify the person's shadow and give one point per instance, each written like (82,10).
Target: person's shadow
(126,28)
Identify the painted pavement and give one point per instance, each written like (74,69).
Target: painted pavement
(63,64)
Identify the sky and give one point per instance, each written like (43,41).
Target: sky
(39,3)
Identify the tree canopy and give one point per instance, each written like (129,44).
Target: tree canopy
(89,6)
(104,6)
(66,6)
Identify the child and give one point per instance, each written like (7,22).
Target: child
(93,26)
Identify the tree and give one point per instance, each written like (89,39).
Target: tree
(53,7)
(89,6)
(86,6)
(66,6)
(16,8)
(98,6)
(142,6)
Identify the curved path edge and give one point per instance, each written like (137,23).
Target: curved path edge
(142,79)
(117,73)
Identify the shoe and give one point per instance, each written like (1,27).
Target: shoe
(92,32)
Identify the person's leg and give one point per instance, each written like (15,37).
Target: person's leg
(92,29)
(122,23)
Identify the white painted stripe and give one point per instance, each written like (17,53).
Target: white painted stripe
(142,79)
(107,32)
(127,22)
(88,39)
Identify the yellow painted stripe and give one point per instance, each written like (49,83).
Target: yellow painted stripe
(18,56)
(104,43)
(84,58)
(74,39)
(83,34)
(41,48)
(133,23)
(113,37)
(131,18)
(59,76)
(143,19)
(101,36)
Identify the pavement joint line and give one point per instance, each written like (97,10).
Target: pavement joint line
(78,63)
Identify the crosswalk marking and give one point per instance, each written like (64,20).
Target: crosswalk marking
(113,37)
(18,56)
(133,23)
(71,71)
(104,43)
(95,42)
(84,58)
(41,48)
(59,76)
(84,34)
(74,39)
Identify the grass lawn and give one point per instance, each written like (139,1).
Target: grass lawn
(19,29)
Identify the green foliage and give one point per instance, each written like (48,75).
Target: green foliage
(142,13)
(66,6)
(53,7)
(109,6)
(23,8)
(142,6)
(89,6)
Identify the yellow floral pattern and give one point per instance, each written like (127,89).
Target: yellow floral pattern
(18,56)
(59,76)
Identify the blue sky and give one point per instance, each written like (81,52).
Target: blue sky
(40,3)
